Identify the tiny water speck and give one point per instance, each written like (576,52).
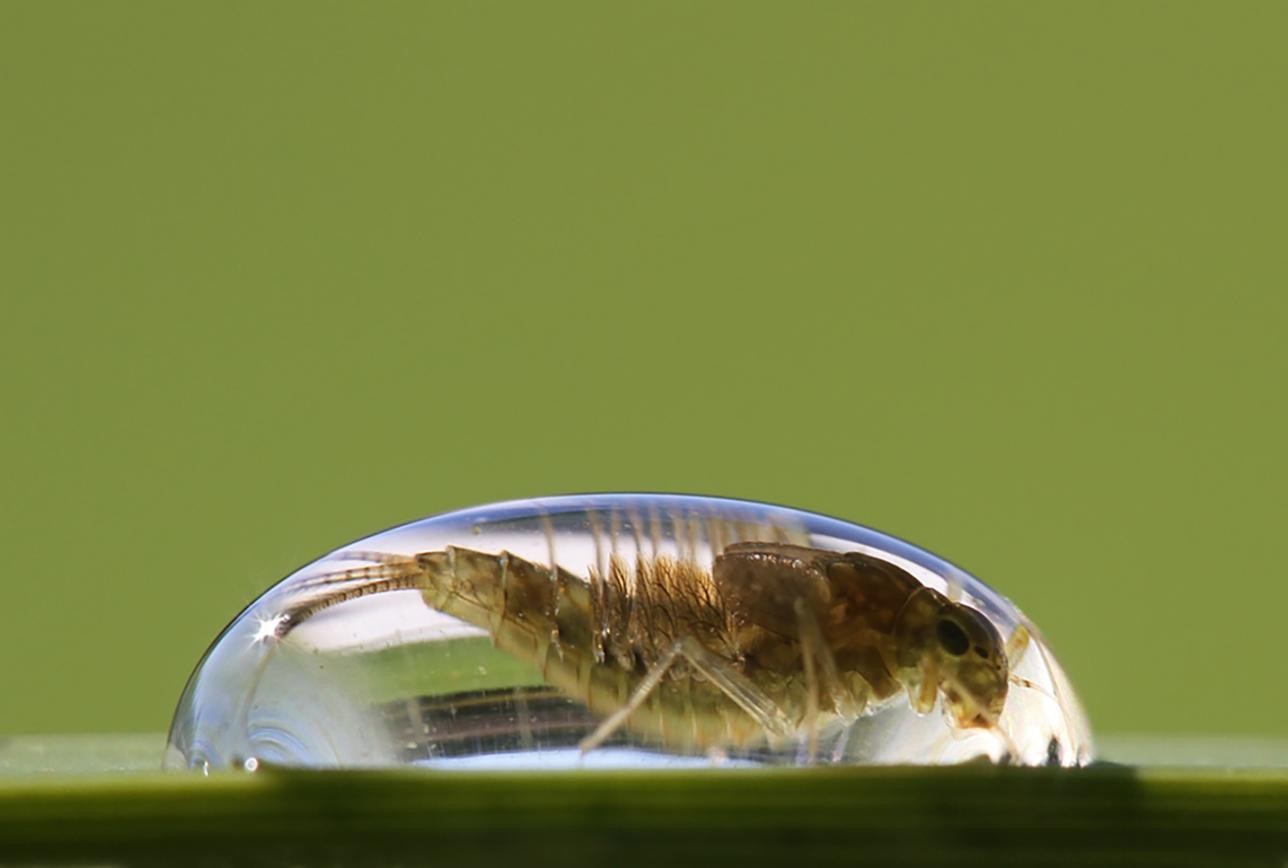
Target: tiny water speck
(627,630)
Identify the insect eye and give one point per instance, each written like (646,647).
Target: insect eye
(952,638)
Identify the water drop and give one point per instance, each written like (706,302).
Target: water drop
(514,635)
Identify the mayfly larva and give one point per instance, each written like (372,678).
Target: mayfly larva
(757,648)
(628,628)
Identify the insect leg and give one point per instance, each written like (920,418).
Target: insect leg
(1010,751)
(928,691)
(738,687)
(646,686)
(816,654)
(811,688)
(814,644)
(842,742)
(715,669)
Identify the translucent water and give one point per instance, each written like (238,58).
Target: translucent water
(503,636)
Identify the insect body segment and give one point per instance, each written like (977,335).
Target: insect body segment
(882,629)
(772,640)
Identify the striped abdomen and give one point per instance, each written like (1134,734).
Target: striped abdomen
(594,639)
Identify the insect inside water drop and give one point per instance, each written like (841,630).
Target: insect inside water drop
(628,630)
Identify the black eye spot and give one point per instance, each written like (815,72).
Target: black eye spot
(952,637)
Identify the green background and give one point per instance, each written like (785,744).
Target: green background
(1005,279)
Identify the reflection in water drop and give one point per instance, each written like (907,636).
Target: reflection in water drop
(627,630)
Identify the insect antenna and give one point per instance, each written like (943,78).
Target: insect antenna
(1057,694)
(1032,685)
(1016,647)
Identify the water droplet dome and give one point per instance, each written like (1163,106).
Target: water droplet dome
(703,630)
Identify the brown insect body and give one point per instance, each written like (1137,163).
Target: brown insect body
(853,598)
(779,636)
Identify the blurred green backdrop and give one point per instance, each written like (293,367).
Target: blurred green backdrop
(1005,279)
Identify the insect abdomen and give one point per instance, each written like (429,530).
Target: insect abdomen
(561,624)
